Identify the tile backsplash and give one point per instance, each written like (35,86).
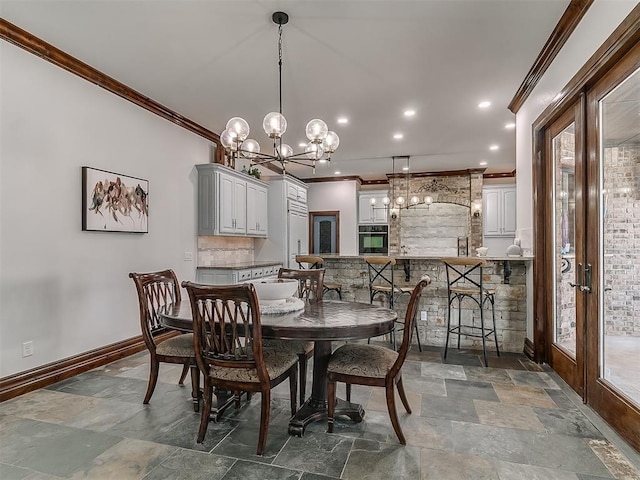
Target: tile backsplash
(216,250)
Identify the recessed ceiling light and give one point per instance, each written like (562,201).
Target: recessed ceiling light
(406,169)
(483,163)
(323,160)
(494,147)
(484,104)
(337,172)
(510,125)
(302,144)
(343,120)
(398,136)
(409,113)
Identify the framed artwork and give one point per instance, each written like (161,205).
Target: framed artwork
(114,203)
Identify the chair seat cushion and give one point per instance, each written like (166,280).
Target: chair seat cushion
(332,286)
(372,361)
(293,346)
(277,362)
(180,346)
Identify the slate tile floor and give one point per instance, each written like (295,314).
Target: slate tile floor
(512,421)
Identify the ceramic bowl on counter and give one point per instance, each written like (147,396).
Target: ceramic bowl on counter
(276,290)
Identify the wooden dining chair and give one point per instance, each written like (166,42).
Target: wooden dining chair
(227,335)
(314,261)
(155,290)
(310,287)
(375,366)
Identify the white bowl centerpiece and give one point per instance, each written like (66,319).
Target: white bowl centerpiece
(275,291)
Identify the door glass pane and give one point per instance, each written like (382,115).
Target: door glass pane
(620,238)
(324,234)
(564,158)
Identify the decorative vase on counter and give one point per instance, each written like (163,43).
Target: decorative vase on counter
(514,250)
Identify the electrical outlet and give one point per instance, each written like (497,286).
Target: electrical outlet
(27,349)
(188,256)
(423,315)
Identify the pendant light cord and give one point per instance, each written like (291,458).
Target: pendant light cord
(280,64)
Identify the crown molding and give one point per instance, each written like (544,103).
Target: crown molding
(32,44)
(561,33)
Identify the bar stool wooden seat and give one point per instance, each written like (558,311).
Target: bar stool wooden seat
(314,261)
(465,280)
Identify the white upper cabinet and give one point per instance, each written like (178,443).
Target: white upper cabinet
(257,211)
(230,203)
(499,211)
(296,192)
(369,212)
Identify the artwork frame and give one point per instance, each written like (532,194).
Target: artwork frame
(113,202)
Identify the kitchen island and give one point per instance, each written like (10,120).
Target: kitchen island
(510,276)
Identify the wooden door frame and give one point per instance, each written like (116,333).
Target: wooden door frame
(312,215)
(601,395)
(571,370)
(621,41)
(617,411)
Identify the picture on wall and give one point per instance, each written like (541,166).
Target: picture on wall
(114,203)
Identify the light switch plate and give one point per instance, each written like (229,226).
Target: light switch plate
(423,315)
(188,256)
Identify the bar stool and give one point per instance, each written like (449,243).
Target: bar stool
(382,282)
(314,261)
(465,280)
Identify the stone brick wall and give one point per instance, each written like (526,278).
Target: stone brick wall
(421,230)
(622,241)
(564,236)
(510,306)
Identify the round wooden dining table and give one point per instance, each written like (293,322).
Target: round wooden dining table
(320,322)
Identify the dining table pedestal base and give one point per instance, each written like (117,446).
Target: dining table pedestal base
(313,411)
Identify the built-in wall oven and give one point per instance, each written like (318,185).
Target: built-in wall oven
(373,239)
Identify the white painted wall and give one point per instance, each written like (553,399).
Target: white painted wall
(597,25)
(341,196)
(64,289)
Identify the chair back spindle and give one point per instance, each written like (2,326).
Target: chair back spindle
(310,282)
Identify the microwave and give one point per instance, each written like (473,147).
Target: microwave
(373,239)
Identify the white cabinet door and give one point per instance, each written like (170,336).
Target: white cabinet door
(232,204)
(226,204)
(379,210)
(365,209)
(240,205)
(252,212)
(298,226)
(372,213)
(257,211)
(226,212)
(509,212)
(499,211)
(262,210)
(296,192)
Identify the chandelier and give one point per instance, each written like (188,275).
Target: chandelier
(322,142)
(400,197)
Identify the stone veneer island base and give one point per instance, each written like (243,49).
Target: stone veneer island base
(508,275)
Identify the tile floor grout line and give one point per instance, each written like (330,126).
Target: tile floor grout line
(611,435)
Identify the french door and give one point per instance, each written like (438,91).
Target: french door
(592,249)
(613,247)
(564,141)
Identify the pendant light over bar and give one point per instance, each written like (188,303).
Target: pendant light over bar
(322,142)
